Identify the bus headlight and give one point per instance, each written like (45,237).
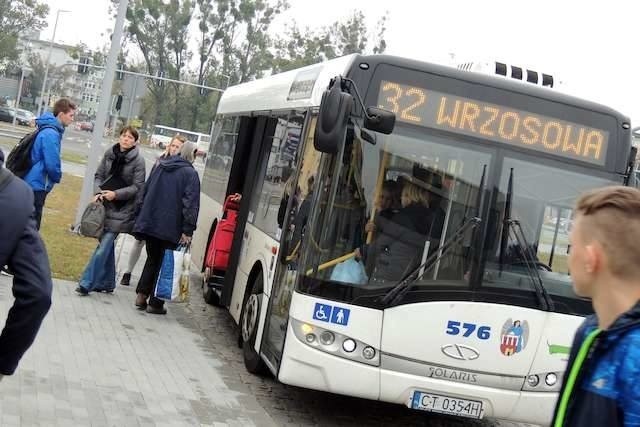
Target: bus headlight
(349,345)
(327,338)
(533,380)
(335,343)
(369,352)
(551,383)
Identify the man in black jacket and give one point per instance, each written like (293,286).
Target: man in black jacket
(22,250)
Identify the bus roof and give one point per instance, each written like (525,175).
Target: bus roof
(180,131)
(275,92)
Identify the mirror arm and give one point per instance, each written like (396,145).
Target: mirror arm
(355,89)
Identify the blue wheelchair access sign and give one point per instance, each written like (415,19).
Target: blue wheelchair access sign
(331,314)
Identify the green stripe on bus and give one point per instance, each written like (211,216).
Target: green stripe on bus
(558,349)
(573,375)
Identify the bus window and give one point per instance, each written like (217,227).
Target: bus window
(218,165)
(439,191)
(541,201)
(275,170)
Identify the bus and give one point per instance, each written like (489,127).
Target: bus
(162,135)
(463,307)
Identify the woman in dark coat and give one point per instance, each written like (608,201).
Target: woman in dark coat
(167,217)
(401,238)
(117,183)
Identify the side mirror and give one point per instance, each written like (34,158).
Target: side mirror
(379,120)
(335,108)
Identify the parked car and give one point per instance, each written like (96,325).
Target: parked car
(6,114)
(86,126)
(25,118)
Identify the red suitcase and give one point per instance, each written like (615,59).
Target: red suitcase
(220,246)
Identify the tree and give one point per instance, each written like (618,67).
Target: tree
(160,31)
(253,56)
(16,18)
(299,48)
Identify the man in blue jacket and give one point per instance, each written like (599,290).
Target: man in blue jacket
(22,250)
(601,386)
(46,168)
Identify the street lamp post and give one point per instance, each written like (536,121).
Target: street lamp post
(15,110)
(46,68)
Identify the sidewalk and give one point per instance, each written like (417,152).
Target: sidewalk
(98,361)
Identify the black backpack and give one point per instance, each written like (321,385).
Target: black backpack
(19,159)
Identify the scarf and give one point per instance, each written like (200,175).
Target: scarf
(119,161)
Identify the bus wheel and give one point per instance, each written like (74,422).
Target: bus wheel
(249,328)
(210,296)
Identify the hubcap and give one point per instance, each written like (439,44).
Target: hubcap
(250,318)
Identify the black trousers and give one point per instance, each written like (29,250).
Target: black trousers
(155,252)
(38,204)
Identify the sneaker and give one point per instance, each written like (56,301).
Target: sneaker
(126,279)
(82,291)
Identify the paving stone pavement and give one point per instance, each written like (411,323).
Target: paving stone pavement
(98,361)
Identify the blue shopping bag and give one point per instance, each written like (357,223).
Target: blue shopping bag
(350,271)
(168,283)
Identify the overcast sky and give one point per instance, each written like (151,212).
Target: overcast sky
(588,45)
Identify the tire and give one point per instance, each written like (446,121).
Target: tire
(210,296)
(249,328)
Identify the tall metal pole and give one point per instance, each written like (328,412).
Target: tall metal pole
(103,109)
(46,67)
(15,109)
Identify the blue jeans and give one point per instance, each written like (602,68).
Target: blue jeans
(100,272)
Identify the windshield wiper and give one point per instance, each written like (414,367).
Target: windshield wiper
(399,290)
(527,254)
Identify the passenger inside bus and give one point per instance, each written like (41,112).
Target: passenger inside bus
(300,218)
(403,236)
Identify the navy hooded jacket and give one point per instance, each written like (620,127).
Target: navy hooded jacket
(606,391)
(170,202)
(46,167)
(22,250)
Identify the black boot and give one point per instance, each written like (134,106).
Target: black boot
(126,279)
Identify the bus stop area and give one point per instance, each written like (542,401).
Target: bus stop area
(98,361)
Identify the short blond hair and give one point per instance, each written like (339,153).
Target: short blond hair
(415,194)
(611,216)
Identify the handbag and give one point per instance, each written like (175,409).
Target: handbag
(92,222)
(173,280)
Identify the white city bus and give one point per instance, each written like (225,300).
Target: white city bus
(462,302)
(162,135)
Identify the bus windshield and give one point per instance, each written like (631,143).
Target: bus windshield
(541,201)
(373,226)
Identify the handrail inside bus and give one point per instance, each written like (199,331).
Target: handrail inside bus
(333,262)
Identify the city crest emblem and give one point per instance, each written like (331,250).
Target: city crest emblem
(514,337)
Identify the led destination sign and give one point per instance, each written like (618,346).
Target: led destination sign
(494,122)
